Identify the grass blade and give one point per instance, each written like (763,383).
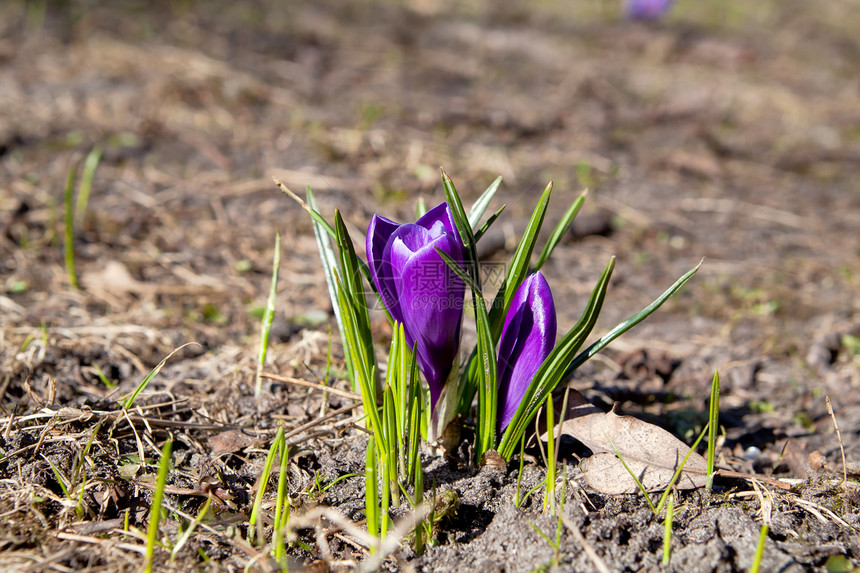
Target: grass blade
(759,550)
(277,444)
(312,211)
(152,374)
(419,499)
(282,504)
(464,228)
(667,530)
(559,231)
(519,266)
(60,479)
(186,535)
(329,263)
(713,427)
(549,491)
(268,315)
(354,297)
(639,484)
(476,211)
(90,164)
(365,378)
(371,496)
(69,245)
(678,471)
(155,510)
(630,322)
(488,223)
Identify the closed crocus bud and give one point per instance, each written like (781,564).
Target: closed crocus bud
(647,9)
(419,289)
(527,339)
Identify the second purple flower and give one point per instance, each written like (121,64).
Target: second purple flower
(527,339)
(419,289)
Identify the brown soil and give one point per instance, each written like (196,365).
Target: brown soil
(729,131)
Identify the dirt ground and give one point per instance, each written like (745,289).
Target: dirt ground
(728,131)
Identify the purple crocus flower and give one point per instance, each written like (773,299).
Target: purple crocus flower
(647,9)
(419,289)
(527,339)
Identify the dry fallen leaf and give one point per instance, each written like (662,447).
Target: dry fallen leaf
(230,441)
(651,453)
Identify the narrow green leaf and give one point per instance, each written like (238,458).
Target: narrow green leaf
(630,322)
(713,427)
(393,387)
(329,263)
(388,461)
(263,482)
(458,270)
(371,496)
(667,530)
(404,361)
(419,499)
(152,374)
(549,491)
(759,550)
(636,479)
(69,243)
(268,316)
(351,277)
(155,509)
(87,176)
(487,407)
(189,531)
(559,231)
(59,478)
(488,223)
(456,206)
(79,463)
(365,370)
(678,471)
(519,266)
(282,500)
(416,416)
(476,211)
(315,215)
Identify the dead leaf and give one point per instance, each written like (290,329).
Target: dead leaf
(229,442)
(651,453)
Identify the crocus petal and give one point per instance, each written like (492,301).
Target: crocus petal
(647,9)
(527,338)
(439,214)
(430,298)
(378,234)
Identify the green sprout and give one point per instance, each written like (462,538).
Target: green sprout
(268,315)
(155,510)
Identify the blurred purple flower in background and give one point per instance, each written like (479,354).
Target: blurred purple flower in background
(647,9)
(527,339)
(419,289)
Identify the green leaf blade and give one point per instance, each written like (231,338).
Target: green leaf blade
(476,211)
(559,230)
